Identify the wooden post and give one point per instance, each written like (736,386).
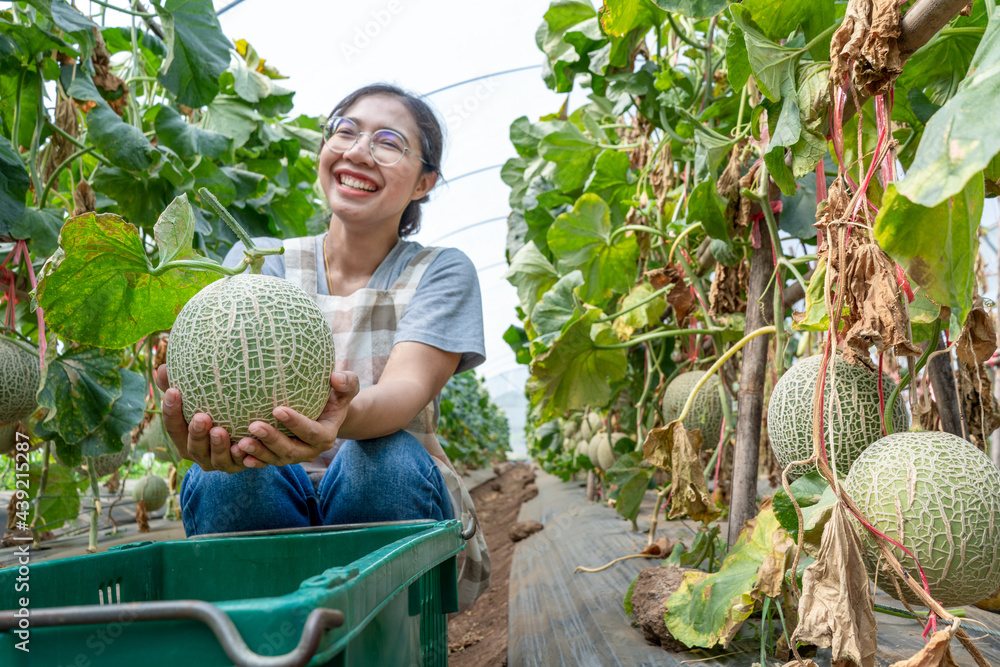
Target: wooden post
(946,393)
(750,401)
(591,485)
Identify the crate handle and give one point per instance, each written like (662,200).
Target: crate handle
(221,625)
(470,532)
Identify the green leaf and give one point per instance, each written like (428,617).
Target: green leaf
(807,490)
(814,115)
(61,502)
(31,91)
(786,134)
(78,391)
(115,430)
(188,140)
(232,117)
(581,239)
(14,184)
(40,228)
(772,65)
(696,9)
(198,51)
(31,40)
(123,144)
(778,18)
(76,24)
(645,315)
(139,197)
(815,317)
(558,305)
(574,373)
(708,609)
(517,339)
(568,28)
(706,206)
(632,476)
(964,135)
(937,246)
(98,289)
(710,146)
(737,59)
(619,16)
(573,152)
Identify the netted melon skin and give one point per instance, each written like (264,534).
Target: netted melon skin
(247,344)
(105,464)
(706,411)
(19,383)
(940,497)
(856,422)
(155,439)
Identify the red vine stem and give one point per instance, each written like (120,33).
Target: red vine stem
(881,396)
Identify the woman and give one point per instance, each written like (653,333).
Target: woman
(405,319)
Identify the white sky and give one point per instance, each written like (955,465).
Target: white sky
(328,49)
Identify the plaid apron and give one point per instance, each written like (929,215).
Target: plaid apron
(364,328)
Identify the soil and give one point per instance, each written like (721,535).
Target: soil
(478,637)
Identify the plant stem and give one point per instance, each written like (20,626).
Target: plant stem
(108,5)
(206,265)
(95,511)
(42,483)
(660,333)
(637,228)
(58,170)
(684,232)
(718,364)
(680,33)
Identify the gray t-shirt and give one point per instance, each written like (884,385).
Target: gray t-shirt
(445,312)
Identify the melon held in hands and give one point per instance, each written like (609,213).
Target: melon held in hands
(247,344)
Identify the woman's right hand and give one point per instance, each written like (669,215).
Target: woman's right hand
(198,441)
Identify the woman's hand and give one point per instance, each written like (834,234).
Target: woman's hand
(198,441)
(272,447)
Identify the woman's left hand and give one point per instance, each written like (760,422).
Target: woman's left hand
(272,447)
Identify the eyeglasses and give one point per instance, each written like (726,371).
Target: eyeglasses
(387,146)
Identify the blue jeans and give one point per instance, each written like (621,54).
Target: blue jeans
(391,478)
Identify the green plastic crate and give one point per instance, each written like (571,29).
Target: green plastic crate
(394,583)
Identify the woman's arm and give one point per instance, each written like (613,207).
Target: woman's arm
(414,374)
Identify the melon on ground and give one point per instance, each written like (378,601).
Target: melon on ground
(854,416)
(152,490)
(706,411)
(940,497)
(247,344)
(20,376)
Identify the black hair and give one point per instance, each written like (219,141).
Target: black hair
(431,140)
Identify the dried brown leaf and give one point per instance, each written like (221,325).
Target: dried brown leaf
(835,609)
(801,663)
(60,148)
(84,198)
(104,79)
(868,37)
(140,516)
(728,287)
(689,493)
(936,653)
(771,573)
(657,447)
(877,316)
(978,340)
(661,547)
(979,405)
(681,300)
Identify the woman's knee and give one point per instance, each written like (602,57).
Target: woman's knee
(254,499)
(383,479)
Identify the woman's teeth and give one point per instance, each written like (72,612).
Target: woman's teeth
(356,184)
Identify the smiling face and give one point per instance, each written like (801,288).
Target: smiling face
(359,190)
